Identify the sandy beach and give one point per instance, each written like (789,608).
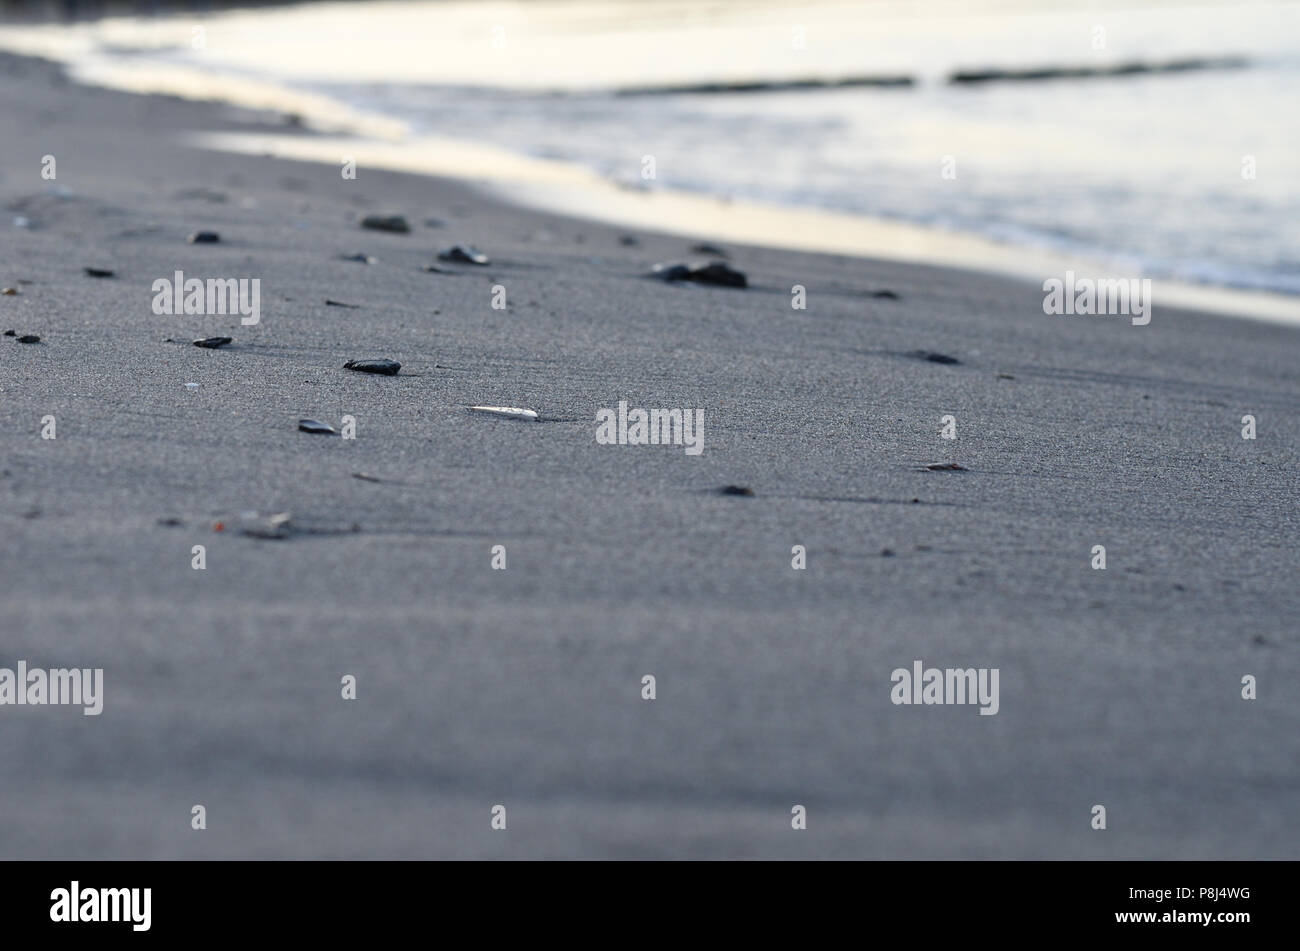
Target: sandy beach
(523,687)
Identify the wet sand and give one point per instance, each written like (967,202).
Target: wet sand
(523,687)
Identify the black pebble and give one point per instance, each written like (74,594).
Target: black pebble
(718,272)
(710,249)
(204,237)
(394,223)
(736,490)
(339,303)
(463,254)
(884,295)
(886,553)
(385,367)
(10,333)
(212,343)
(313,426)
(29,338)
(357,258)
(933,357)
(98,272)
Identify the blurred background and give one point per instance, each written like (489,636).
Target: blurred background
(1157,137)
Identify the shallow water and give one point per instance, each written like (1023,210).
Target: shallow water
(1190,175)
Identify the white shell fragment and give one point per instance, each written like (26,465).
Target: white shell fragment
(510,412)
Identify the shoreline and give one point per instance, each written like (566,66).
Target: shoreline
(523,686)
(560,187)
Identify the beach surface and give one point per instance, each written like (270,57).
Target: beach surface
(523,687)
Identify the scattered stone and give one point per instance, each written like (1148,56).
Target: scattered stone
(11,333)
(29,338)
(671,272)
(394,223)
(934,357)
(712,250)
(886,553)
(1005,376)
(213,343)
(884,295)
(434,269)
(945,467)
(463,254)
(339,303)
(510,412)
(9,291)
(204,237)
(718,272)
(316,427)
(384,367)
(737,490)
(170,522)
(629,240)
(916,501)
(98,271)
(357,258)
(366,477)
(434,223)
(256,525)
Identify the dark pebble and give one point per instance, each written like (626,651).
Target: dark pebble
(9,291)
(385,367)
(212,343)
(313,426)
(204,237)
(357,258)
(98,271)
(737,490)
(933,357)
(339,303)
(394,223)
(29,338)
(718,273)
(886,553)
(946,467)
(10,333)
(365,477)
(884,295)
(712,250)
(629,240)
(463,254)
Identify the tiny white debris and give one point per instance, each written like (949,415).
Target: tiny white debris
(191,386)
(513,412)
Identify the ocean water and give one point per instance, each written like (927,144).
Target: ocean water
(1191,174)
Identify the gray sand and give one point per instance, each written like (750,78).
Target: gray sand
(523,687)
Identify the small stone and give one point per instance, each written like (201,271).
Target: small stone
(671,272)
(510,412)
(934,357)
(712,250)
(394,223)
(1005,376)
(886,553)
(255,525)
(11,333)
(884,295)
(737,490)
(191,386)
(718,273)
(29,338)
(463,254)
(357,258)
(213,343)
(98,271)
(384,367)
(945,467)
(9,291)
(339,303)
(316,427)
(365,477)
(204,237)
(629,240)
